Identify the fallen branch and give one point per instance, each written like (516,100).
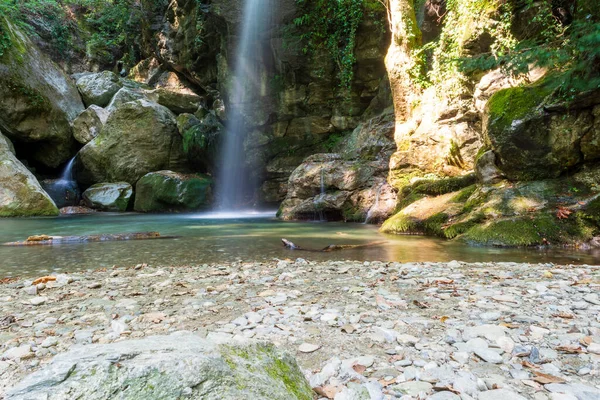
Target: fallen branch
(332,247)
(45,240)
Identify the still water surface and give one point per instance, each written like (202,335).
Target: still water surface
(209,237)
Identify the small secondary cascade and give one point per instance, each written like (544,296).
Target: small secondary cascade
(64,190)
(248,84)
(66,178)
(318,200)
(375,205)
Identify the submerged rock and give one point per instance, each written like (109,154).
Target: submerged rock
(139,137)
(168,367)
(20,193)
(171,191)
(108,196)
(98,88)
(37,100)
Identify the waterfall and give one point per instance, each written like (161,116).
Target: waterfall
(247,86)
(375,205)
(67,175)
(64,190)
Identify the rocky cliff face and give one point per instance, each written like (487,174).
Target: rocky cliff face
(300,107)
(534,153)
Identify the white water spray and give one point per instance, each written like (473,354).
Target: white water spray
(246,87)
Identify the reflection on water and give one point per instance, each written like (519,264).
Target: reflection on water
(210,237)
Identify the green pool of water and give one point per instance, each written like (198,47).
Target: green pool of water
(209,238)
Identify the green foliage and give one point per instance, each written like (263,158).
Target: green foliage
(333,142)
(572,47)
(111,29)
(332,26)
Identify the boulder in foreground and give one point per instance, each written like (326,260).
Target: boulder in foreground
(168,367)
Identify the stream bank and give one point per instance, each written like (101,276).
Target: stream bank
(359,330)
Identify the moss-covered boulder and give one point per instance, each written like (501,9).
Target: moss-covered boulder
(139,137)
(20,193)
(37,100)
(534,136)
(171,191)
(553,212)
(200,139)
(89,124)
(98,88)
(108,196)
(168,367)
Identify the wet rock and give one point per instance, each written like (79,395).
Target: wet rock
(171,191)
(108,196)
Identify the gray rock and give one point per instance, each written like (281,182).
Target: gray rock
(168,367)
(444,396)
(38,101)
(21,193)
(89,124)
(98,88)
(500,394)
(108,196)
(581,391)
(413,388)
(489,355)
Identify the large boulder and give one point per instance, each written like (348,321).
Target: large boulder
(139,137)
(89,124)
(171,191)
(20,193)
(533,138)
(108,196)
(182,365)
(98,88)
(349,185)
(125,95)
(38,101)
(176,94)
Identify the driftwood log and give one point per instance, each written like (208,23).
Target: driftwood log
(45,240)
(332,247)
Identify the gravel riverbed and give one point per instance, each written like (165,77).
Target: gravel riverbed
(360,330)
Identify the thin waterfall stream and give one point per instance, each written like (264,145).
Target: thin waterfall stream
(247,86)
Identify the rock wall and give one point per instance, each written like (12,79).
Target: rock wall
(301,106)
(38,101)
(534,154)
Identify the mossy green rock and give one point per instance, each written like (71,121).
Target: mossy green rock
(534,139)
(20,193)
(554,212)
(139,137)
(108,196)
(37,100)
(200,139)
(178,366)
(171,191)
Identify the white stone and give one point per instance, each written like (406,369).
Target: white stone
(308,348)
